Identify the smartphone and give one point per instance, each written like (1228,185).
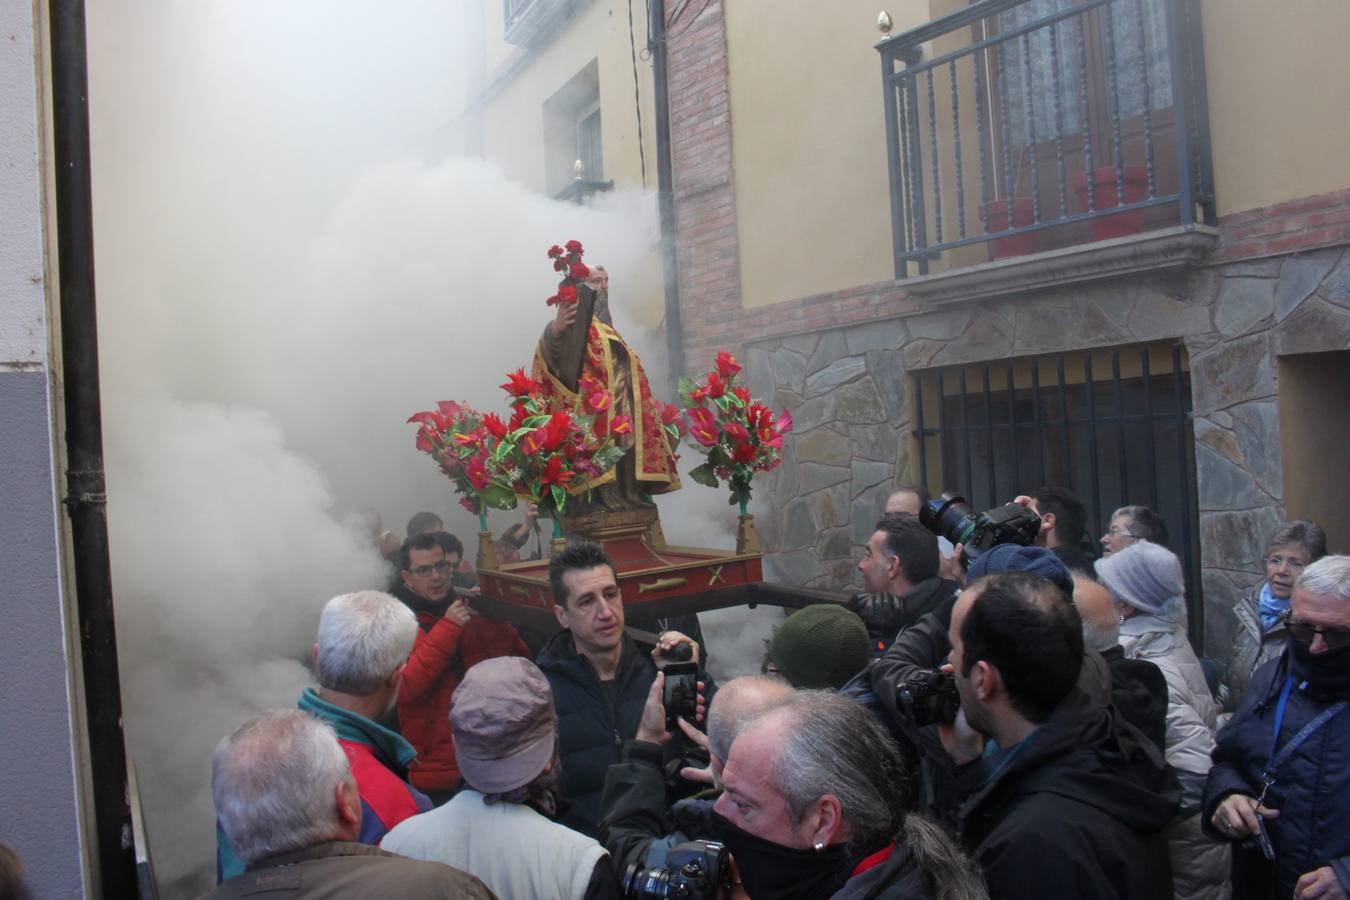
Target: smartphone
(681,692)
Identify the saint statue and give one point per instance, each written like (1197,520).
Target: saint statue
(581,351)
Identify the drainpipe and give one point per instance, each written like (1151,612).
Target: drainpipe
(86,500)
(665,191)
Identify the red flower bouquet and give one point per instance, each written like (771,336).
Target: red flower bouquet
(738,435)
(567,260)
(465,444)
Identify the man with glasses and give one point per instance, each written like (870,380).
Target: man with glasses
(451,637)
(1280,785)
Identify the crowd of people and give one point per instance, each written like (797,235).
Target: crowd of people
(1020,722)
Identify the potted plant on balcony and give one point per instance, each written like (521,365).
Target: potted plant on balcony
(1134,181)
(1006,213)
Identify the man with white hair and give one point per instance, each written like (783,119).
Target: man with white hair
(285,796)
(1280,786)
(362,648)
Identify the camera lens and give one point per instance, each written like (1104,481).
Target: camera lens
(949,516)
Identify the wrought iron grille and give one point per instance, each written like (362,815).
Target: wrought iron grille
(1112,426)
(1026,125)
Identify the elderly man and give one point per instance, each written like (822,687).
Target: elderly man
(285,795)
(359,657)
(635,825)
(1280,786)
(600,679)
(506,738)
(900,573)
(1130,524)
(812,807)
(1066,798)
(451,638)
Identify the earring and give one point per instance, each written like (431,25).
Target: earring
(1121,619)
(819,845)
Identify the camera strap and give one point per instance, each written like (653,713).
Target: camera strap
(1277,759)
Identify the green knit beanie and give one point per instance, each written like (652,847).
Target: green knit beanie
(820,646)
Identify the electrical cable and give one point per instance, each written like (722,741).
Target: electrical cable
(637,96)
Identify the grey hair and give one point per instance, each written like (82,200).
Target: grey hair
(736,703)
(1308,535)
(951,873)
(1145,524)
(1329,576)
(274,781)
(833,745)
(363,638)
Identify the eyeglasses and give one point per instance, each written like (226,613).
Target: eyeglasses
(1304,633)
(440,568)
(1117,531)
(1294,564)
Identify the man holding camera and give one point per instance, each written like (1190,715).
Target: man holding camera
(1280,785)
(900,573)
(1063,797)
(600,679)
(451,637)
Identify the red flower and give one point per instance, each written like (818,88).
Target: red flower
(451,409)
(727,365)
(784,423)
(716,386)
(741,394)
(559,265)
(470,439)
(519,384)
(745,454)
(554,473)
(477,472)
(759,416)
(670,414)
(567,294)
(599,401)
(518,416)
(533,441)
(736,431)
(574,247)
(555,251)
(703,426)
(495,426)
(470,504)
(698,394)
(423,418)
(578,271)
(621,425)
(557,430)
(424,441)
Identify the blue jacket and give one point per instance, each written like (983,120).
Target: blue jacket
(1311,791)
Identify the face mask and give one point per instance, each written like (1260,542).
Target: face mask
(1327,672)
(769,870)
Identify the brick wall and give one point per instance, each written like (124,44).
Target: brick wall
(708,248)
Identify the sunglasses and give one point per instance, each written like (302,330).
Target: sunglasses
(1336,638)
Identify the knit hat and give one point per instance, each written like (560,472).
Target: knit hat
(504,725)
(1144,575)
(1016,558)
(820,646)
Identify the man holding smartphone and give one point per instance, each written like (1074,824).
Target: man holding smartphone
(451,637)
(599,676)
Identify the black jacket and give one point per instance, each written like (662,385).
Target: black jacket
(1311,790)
(885,615)
(1078,808)
(592,725)
(1139,691)
(636,826)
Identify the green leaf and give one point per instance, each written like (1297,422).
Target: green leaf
(726,402)
(704,475)
(498,496)
(559,497)
(717,456)
(685,386)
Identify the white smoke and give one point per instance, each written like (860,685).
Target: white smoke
(288,266)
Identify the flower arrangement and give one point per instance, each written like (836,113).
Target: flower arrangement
(567,261)
(739,435)
(465,446)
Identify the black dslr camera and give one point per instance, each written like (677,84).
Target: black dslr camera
(929,697)
(693,870)
(950,516)
(681,692)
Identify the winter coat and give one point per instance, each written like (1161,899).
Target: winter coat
(886,615)
(337,869)
(1079,805)
(592,725)
(1191,711)
(1311,790)
(1139,691)
(1253,646)
(441,654)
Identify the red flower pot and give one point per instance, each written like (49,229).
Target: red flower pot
(996,219)
(1135,182)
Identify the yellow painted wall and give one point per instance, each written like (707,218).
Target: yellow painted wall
(1279,82)
(512,122)
(809,143)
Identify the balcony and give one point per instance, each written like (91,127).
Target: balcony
(530,23)
(1032,142)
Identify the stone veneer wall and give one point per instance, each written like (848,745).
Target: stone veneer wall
(846,388)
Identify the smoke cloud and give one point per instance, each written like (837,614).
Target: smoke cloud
(289,265)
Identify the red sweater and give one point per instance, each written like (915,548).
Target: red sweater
(441,655)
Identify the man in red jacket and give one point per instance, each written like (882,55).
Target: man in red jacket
(451,637)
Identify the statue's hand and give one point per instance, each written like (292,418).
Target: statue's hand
(567,314)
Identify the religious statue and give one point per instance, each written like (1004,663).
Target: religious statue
(580,352)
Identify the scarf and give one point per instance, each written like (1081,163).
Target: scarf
(1271,608)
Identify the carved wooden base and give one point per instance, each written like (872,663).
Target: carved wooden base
(487,551)
(746,540)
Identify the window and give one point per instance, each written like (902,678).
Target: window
(572,134)
(589,150)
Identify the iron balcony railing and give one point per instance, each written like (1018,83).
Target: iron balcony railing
(1088,120)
